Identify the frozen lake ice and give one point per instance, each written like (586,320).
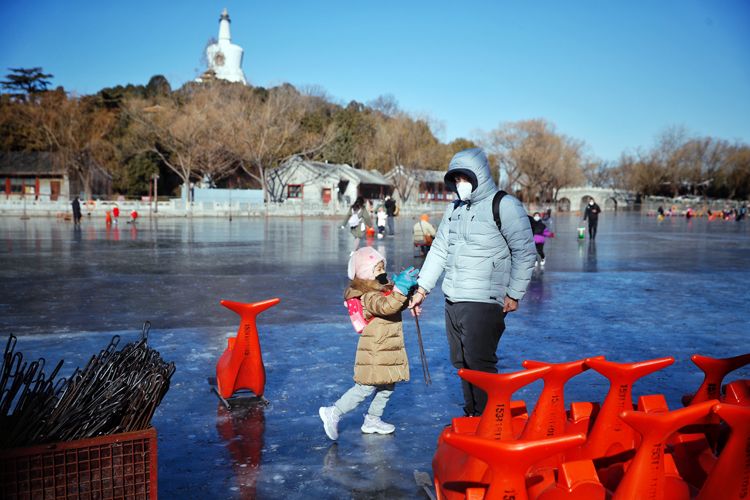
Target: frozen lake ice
(644,290)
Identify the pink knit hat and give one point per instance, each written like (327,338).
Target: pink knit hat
(362,262)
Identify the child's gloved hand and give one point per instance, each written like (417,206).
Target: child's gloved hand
(406,280)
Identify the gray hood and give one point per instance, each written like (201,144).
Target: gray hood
(472,163)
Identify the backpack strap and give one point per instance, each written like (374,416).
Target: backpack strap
(356,314)
(496,208)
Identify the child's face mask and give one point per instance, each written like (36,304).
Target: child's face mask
(379,272)
(537,218)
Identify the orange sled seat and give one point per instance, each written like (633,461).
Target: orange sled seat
(241,365)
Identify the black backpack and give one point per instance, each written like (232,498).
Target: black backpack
(496,208)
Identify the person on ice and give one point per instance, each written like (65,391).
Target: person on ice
(592,215)
(382,218)
(381,359)
(358,218)
(541,233)
(487,266)
(423,234)
(76,211)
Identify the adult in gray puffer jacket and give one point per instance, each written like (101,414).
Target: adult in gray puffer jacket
(486,272)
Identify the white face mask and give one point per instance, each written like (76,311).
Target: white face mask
(537,218)
(464,190)
(591,202)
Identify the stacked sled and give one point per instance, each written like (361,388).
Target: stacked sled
(616,449)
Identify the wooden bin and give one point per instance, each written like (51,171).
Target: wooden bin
(117,466)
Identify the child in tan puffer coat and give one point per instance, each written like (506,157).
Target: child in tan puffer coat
(381,355)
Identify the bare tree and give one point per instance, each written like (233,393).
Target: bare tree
(404,180)
(408,145)
(266,128)
(639,172)
(78,132)
(735,174)
(184,133)
(386,104)
(670,156)
(535,160)
(701,160)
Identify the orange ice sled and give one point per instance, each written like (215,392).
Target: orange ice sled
(241,365)
(620,451)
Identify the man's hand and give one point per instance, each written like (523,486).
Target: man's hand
(415,303)
(510,305)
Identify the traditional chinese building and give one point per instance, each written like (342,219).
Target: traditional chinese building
(33,175)
(309,180)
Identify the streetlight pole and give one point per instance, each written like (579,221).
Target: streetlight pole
(23,196)
(155,177)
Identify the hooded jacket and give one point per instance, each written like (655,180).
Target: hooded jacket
(480,264)
(381,353)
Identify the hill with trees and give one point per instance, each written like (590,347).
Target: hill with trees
(235,134)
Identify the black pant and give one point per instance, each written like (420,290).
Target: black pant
(474,330)
(540,249)
(592,227)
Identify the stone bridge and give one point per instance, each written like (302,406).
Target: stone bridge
(576,198)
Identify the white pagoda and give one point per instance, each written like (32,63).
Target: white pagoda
(224,57)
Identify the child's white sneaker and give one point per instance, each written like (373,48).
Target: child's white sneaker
(542,262)
(374,424)
(330,417)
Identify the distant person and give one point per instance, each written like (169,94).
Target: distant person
(76,211)
(660,210)
(381,359)
(358,218)
(370,210)
(741,213)
(392,210)
(541,233)
(382,219)
(423,233)
(689,214)
(116,213)
(592,215)
(133,216)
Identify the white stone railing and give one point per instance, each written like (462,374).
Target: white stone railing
(179,208)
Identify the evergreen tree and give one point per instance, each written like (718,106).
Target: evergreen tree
(22,82)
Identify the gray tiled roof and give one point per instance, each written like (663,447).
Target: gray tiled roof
(29,163)
(436,176)
(344,170)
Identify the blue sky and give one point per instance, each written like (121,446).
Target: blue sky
(613,74)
